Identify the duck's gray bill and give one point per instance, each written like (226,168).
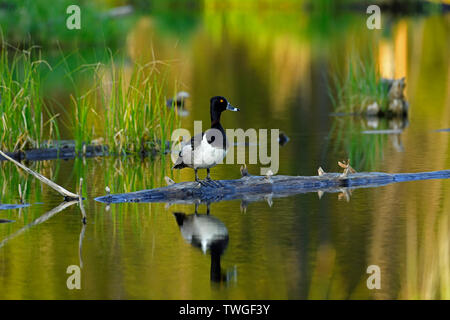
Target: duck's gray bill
(231,108)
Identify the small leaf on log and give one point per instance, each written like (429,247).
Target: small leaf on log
(244,170)
(320,171)
(169,181)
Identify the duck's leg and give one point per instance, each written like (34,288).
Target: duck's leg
(208,178)
(200,182)
(208,182)
(196,175)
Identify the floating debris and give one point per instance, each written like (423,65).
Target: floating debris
(347,168)
(244,170)
(283,138)
(169,181)
(320,171)
(6,221)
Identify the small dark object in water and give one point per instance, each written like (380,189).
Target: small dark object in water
(283,138)
(244,171)
(6,221)
(443,130)
(179,100)
(13,206)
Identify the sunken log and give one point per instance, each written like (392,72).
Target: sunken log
(65,152)
(257,188)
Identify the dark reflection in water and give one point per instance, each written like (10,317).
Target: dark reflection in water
(207,233)
(6,221)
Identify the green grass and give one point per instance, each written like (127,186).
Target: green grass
(22,109)
(123,105)
(359,87)
(126,109)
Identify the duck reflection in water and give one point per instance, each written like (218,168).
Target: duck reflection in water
(207,233)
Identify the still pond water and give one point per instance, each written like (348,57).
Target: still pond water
(275,67)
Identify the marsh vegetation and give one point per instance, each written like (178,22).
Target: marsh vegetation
(123,108)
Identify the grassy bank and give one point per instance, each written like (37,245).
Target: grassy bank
(125,109)
(122,106)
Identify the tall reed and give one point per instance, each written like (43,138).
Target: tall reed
(127,108)
(22,108)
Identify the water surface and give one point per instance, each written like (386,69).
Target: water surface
(275,66)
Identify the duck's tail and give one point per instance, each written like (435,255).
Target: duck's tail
(180,216)
(179,164)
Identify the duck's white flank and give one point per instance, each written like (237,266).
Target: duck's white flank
(204,156)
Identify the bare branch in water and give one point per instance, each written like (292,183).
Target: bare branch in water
(39,220)
(67,194)
(80,200)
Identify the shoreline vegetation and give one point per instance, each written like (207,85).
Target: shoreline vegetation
(362,91)
(377,105)
(123,110)
(22,108)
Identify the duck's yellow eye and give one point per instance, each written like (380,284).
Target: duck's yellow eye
(221,100)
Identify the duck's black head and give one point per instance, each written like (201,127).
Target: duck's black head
(218,105)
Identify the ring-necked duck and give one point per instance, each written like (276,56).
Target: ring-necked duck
(207,149)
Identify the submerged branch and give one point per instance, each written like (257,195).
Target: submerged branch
(65,193)
(39,220)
